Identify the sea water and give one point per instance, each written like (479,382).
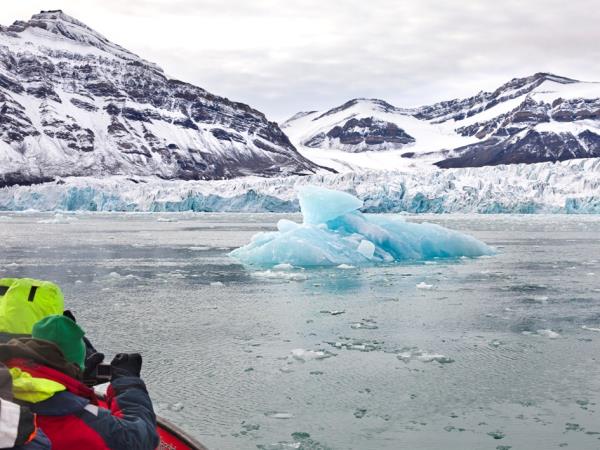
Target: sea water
(487,353)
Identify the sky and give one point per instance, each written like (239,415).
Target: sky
(285,56)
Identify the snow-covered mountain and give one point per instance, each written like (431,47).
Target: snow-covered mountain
(539,118)
(74,104)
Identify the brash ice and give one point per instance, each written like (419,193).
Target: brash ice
(335,232)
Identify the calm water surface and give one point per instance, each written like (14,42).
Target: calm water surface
(493,353)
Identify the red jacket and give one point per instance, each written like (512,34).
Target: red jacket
(75,420)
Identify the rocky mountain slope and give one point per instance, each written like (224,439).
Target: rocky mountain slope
(539,118)
(74,104)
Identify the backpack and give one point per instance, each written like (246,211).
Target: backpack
(25,301)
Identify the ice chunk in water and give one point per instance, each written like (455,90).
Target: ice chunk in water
(301,354)
(335,233)
(549,334)
(279,415)
(319,205)
(408,355)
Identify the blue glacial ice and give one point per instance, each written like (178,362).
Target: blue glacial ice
(335,232)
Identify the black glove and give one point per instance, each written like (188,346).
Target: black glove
(91,363)
(126,365)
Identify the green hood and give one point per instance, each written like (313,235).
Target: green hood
(66,334)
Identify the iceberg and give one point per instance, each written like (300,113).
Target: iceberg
(335,233)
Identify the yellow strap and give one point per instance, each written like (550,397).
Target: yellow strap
(33,390)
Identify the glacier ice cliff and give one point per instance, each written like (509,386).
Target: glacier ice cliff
(564,187)
(334,232)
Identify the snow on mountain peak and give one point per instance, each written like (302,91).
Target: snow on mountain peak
(48,27)
(369,103)
(56,21)
(541,117)
(72,103)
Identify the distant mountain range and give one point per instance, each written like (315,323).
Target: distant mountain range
(539,118)
(74,104)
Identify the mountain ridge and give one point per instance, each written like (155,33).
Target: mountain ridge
(522,121)
(72,103)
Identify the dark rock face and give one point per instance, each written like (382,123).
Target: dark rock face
(533,147)
(591,141)
(576,109)
(15,125)
(364,134)
(527,114)
(511,138)
(106,111)
(84,105)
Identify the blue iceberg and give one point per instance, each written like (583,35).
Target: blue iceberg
(335,232)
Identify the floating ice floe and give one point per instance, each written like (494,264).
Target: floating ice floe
(538,299)
(300,354)
(419,355)
(423,285)
(346,343)
(116,276)
(280,275)
(59,219)
(548,334)
(366,324)
(335,312)
(335,233)
(176,407)
(279,415)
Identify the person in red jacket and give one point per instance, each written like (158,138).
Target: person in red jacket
(47,372)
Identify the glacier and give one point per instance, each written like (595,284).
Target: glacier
(335,233)
(571,187)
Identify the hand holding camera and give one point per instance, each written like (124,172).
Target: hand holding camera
(122,365)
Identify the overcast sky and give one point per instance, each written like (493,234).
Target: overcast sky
(284,56)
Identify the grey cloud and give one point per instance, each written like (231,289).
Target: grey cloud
(282,56)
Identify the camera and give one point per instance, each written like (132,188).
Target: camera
(103,372)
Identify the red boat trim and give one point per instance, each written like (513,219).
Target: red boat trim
(179,435)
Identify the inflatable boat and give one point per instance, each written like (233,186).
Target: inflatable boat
(174,438)
(171,436)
